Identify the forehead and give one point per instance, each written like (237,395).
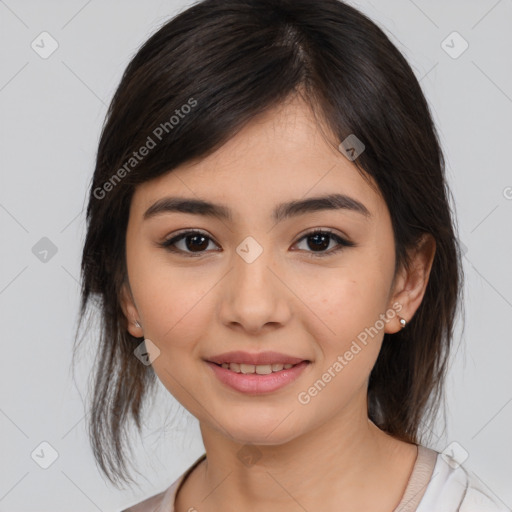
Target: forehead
(279,156)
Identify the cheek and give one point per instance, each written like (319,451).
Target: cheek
(175,312)
(347,341)
(345,300)
(171,300)
(347,303)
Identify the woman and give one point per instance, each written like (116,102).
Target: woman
(269,235)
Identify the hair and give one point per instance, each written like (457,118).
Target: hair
(191,87)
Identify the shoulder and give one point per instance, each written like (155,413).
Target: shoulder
(161,502)
(164,501)
(453,487)
(151,504)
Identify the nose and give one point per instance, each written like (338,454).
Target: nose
(254,294)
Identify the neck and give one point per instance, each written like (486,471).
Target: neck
(347,459)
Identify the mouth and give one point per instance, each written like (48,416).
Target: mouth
(259,369)
(257,374)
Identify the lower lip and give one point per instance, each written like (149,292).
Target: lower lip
(254,383)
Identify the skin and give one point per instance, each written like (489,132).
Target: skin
(326,451)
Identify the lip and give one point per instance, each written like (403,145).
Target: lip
(256,384)
(241,357)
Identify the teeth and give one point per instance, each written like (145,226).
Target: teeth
(260,369)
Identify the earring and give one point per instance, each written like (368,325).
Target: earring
(136,323)
(403,322)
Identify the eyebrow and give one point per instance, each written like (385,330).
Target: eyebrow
(281,211)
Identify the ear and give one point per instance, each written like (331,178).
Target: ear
(130,311)
(410,285)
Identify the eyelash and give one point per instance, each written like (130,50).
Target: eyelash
(168,244)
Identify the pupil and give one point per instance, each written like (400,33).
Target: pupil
(316,237)
(203,246)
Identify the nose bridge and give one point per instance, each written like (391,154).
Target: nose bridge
(253,295)
(252,273)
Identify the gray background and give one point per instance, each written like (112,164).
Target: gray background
(51,114)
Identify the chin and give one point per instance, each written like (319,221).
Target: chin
(256,430)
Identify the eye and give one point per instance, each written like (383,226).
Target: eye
(319,240)
(194,242)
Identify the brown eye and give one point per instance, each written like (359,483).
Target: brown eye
(196,243)
(318,241)
(191,242)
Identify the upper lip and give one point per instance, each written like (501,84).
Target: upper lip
(242,357)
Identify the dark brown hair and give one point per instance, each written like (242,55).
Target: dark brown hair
(228,61)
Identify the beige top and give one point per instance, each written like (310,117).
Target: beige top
(416,486)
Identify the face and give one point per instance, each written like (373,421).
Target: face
(315,284)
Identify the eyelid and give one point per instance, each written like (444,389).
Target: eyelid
(312,231)
(187,231)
